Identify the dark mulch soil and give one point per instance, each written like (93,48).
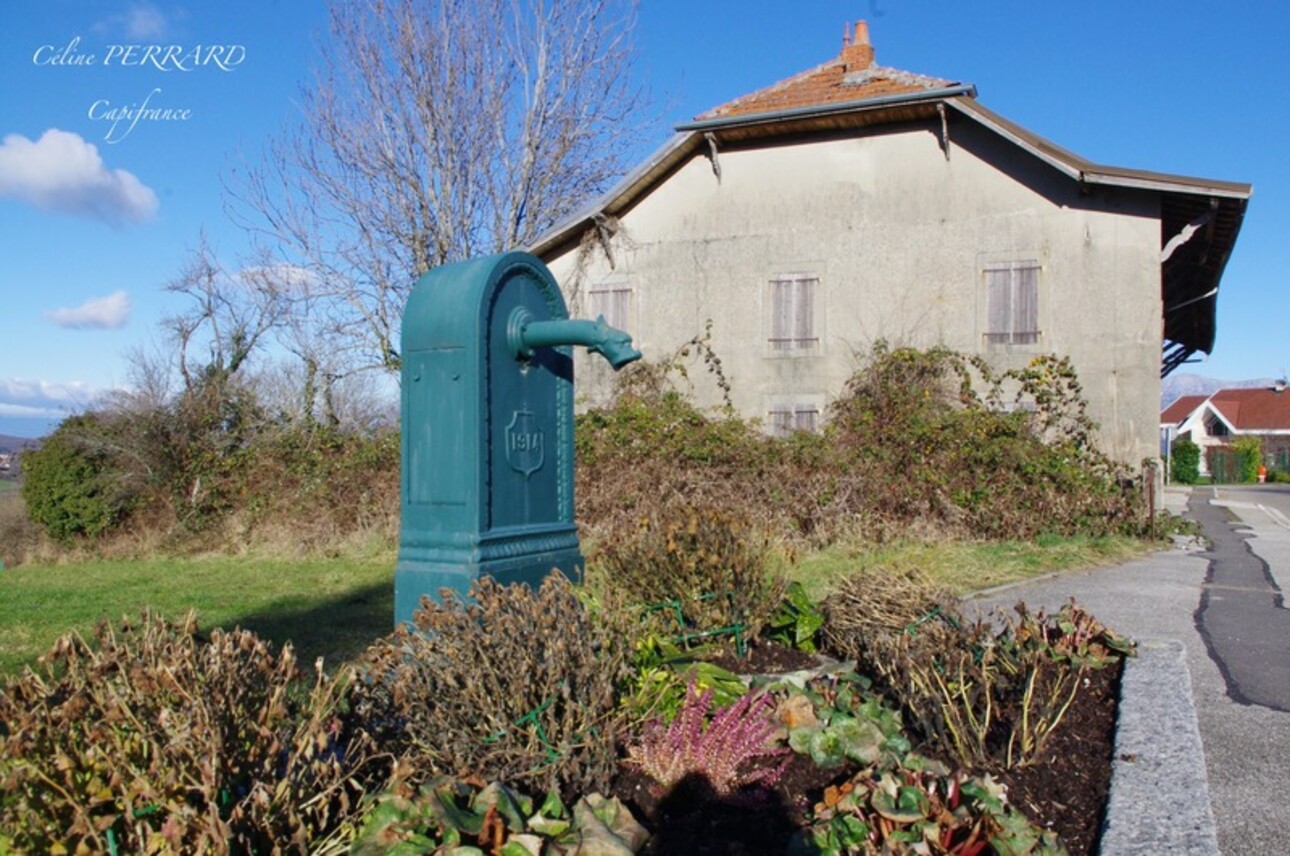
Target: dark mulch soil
(763,658)
(1066,792)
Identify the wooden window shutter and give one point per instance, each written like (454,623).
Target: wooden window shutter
(1025,304)
(1012,303)
(793,312)
(614,303)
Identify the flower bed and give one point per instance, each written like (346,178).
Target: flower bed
(558,721)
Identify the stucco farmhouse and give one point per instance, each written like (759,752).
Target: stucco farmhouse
(853,203)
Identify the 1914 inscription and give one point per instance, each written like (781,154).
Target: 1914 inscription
(525,449)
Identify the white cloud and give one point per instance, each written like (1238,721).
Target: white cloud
(141,22)
(144,21)
(32,408)
(102,313)
(22,411)
(62,172)
(42,398)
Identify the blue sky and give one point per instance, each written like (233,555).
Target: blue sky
(96,219)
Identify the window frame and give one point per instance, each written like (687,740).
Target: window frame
(1019,313)
(794,322)
(788,414)
(618,291)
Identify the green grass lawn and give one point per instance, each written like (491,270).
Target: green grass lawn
(334,608)
(330,608)
(965,566)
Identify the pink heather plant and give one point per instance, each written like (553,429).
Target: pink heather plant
(741,733)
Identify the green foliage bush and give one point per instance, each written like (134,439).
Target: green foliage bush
(515,686)
(69,488)
(209,469)
(929,434)
(318,482)
(153,740)
(919,442)
(1184,467)
(1249,457)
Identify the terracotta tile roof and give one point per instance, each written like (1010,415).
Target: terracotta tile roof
(851,76)
(1180,409)
(1258,409)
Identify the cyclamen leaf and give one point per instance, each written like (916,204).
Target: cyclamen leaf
(826,749)
(799,739)
(522,845)
(850,830)
(549,827)
(552,806)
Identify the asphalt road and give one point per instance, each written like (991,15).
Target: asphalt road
(1272,496)
(1242,617)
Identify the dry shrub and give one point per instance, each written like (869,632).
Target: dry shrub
(917,441)
(20,539)
(977,692)
(515,686)
(154,741)
(314,491)
(653,450)
(709,562)
(876,604)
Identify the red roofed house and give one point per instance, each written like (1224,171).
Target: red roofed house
(854,202)
(1216,421)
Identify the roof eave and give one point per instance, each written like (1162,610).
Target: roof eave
(817,110)
(664,157)
(1087,172)
(1222,417)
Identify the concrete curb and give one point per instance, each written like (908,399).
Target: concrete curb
(1159,800)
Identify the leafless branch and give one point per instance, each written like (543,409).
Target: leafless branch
(436,132)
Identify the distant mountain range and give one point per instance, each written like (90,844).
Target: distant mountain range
(1177,385)
(9,444)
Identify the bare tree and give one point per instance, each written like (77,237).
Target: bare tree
(438,130)
(230,314)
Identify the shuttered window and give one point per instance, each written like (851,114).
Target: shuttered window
(792,300)
(786,420)
(1012,303)
(614,303)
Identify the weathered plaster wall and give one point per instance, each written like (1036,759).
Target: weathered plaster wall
(898,235)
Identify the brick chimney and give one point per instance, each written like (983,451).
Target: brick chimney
(857,54)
